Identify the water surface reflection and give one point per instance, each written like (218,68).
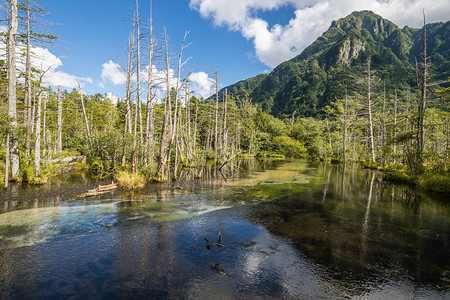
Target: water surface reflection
(297,231)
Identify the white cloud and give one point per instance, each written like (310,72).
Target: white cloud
(43,59)
(278,43)
(159,77)
(112,97)
(202,84)
(55,78)
(111,72)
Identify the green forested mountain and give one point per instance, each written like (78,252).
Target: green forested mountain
(319,75)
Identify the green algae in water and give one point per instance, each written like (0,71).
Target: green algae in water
(41,215)
(31,226)
(170,211)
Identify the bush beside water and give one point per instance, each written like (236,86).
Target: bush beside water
(130,181)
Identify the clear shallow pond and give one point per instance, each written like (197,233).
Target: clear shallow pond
(296,230)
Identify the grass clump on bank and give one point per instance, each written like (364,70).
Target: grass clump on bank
(130,181)
(399,175)
(436,179)
(435,182)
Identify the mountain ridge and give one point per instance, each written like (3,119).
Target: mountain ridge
(313,79)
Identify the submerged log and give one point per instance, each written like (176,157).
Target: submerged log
(100,190)
(218,269)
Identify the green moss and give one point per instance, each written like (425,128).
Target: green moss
(81,166)
(38,181)
(269,155)
(172,217)
(435,182)
(400,176)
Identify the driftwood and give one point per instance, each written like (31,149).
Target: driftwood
(229,159)
(100,190)
(68,160)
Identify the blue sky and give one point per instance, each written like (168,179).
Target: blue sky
(93,32)
(242,38)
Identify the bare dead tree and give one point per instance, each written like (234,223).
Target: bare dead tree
(167,111)
(216,117)
(224,127)
(12,152)
(149,121)
(422,83)
(59,122)
(88,130)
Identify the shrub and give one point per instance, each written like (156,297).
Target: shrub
(289,147)
(130,181)
(81,166)
(210,155)
(27,173)
(435,182)
(399,175)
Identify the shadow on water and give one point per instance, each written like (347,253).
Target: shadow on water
(290,229)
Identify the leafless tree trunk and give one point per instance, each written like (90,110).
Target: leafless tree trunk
(447,130)
(216,118)
(33,109)
(395,125)
(138,115)
(37,144)
(165,125)
(174,125)
(27,97)
(423,97)
(188,108)
(128,100)
(293,120)
(329,132)
(383,127)
(224,127)
(59,122)
(344,134)
(149,122)
(194,137)
(88,130)
(13,145)
(129,83)
(44,127)
(138,71)
(369,107)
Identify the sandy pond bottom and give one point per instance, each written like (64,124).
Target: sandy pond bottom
(297,231)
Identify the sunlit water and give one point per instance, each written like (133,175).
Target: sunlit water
(290,230)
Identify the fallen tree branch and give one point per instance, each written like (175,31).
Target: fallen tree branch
(229,159)
(100,190)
